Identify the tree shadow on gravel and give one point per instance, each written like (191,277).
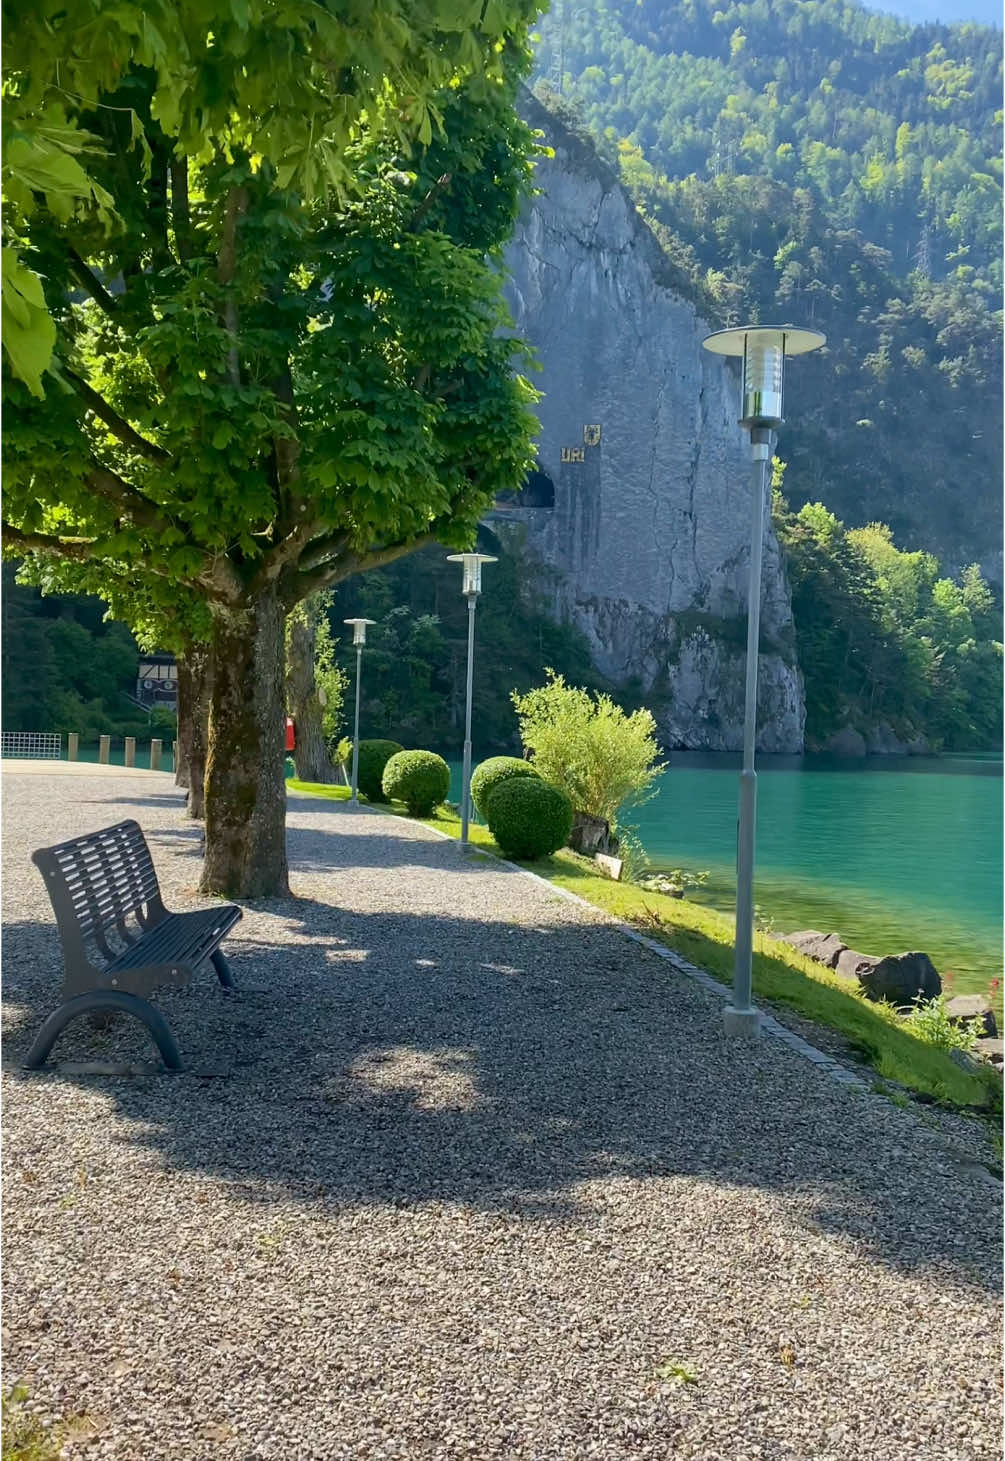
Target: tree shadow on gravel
(398,1059)
(168,797)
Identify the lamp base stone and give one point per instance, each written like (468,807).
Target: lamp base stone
(741,1024)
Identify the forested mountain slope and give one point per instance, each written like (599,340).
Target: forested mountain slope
(811,160)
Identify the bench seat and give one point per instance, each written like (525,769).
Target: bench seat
(183,938)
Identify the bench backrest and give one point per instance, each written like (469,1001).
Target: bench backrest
(103,889)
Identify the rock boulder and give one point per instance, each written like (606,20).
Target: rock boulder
(901,978)
(590,835)
(851,963)
(992,1050)
(970,1009)
(824,948)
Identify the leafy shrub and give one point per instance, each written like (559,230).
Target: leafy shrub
(528,817)
(420,779)
(586,745)
(930,1021)
(373,757)
(492,773)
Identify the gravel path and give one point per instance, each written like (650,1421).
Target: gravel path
(462,1172)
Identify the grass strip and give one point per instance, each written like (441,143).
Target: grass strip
(783,977)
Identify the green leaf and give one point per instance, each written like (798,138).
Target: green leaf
(29,332)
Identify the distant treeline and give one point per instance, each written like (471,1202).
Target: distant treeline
(65,669)
(883,637)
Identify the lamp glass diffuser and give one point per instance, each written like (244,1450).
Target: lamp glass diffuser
(359,629)
(472,569)
(763,366)
(763,349)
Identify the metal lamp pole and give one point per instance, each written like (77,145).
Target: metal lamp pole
(763,349)
(472,587)
(358,639)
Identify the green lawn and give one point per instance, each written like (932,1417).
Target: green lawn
(781,976)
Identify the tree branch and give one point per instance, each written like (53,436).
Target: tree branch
(284,553)
(79,549)
(111,488)
(180,214)
(305,584)
(93,285)
(112,419)
(226,268)
(218,581)
(320,551)
(157,190)
(440,186)
(221,580)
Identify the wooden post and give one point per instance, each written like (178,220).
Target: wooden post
(174,757)
(155,755)
(104,746)
(130,750)
(72,746)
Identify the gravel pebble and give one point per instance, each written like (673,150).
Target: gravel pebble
(461,1172)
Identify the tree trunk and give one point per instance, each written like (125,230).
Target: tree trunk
(310,753)
(182,756)
(193,717)
(245,783)
(200,662)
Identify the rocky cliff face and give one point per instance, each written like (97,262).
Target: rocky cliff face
(643,496)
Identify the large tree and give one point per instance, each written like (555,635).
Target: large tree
(261,394)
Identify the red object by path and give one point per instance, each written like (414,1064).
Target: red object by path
(291,737)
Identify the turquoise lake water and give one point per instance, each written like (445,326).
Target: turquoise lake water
(892,853)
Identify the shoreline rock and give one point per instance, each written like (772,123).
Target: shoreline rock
(902,979)
(968,1009)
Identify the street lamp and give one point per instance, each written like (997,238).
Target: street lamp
(358,639)
(763,349)
(472,587)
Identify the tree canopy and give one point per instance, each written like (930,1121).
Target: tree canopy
(294,86)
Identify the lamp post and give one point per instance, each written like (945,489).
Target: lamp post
(763,349)
(358,639)
(471,588)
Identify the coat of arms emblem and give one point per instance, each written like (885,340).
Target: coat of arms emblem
(591,435)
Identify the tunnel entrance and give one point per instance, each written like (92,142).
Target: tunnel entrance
(537,491)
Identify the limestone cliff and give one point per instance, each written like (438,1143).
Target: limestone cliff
(647,535)
(646,529)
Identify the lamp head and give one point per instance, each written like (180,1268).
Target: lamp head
(472,569)
(359,629)
(763,349)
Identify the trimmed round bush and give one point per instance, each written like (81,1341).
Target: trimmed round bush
(528,817)
(420,779)
(493,773)
(373,757)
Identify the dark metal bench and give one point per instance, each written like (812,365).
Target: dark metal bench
(119,941)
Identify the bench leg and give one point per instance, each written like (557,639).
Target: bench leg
(222,968)
(105,999)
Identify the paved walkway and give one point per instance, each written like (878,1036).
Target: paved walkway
(463,1172)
